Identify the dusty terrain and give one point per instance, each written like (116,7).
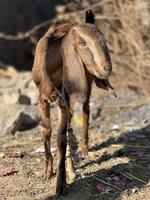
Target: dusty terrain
(118,166)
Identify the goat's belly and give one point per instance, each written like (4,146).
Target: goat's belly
(56,78)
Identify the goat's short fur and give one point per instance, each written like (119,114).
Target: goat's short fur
(68,58)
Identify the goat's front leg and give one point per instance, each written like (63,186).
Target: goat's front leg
(44,110)
(70,165)
(62,144)
(83,146)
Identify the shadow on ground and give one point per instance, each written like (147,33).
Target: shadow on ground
(136,145)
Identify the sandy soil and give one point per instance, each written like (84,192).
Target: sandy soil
(119,155)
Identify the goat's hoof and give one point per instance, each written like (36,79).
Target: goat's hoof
(83,152)
(61,190)
(48,176)
(72,177)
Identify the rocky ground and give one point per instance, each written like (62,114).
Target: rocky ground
(118,166)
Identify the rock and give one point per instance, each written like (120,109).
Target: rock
(115,127)
(137,118)
(23,99)
(16,98)
(33,97)
(11,98)
(32,85)
(24,80)
(6,83)
(14,124)
(17,117)
(95,112)
(60,9)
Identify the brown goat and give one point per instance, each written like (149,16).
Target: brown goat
(68,58)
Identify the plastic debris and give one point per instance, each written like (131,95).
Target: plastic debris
(79,121)
(103,189)
(8,172)
(113,177)
(92,154)
(18,154)
(42,150)
(115,127)
(2,155)
(134,190)
(39,150)
(108,190)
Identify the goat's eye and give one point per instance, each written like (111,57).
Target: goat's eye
(81,43)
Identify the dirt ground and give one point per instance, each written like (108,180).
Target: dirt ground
(118,166)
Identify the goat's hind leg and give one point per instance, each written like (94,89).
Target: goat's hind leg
(44,110)
(62,145)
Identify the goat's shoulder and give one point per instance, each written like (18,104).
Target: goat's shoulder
(52,37)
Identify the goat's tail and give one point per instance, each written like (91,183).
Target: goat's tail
(89,17)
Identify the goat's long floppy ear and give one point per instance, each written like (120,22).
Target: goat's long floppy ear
(74,77)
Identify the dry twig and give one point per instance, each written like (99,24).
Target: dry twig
(106,183)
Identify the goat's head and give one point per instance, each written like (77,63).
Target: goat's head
(84,48)
(91,47)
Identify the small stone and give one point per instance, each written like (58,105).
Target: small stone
(115,178)
(24,99)
(16,98)
(11,98)
(96,113)
(33,97)
(60,9)
(2,154)
(32,85)
(17,117)
(15,123)
(134,190)
(37,173)
(24,80)
(120,153)
(115,127)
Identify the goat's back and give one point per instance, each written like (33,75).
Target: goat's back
(47,67)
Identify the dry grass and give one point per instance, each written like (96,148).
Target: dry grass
(126,25)
(129,42)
